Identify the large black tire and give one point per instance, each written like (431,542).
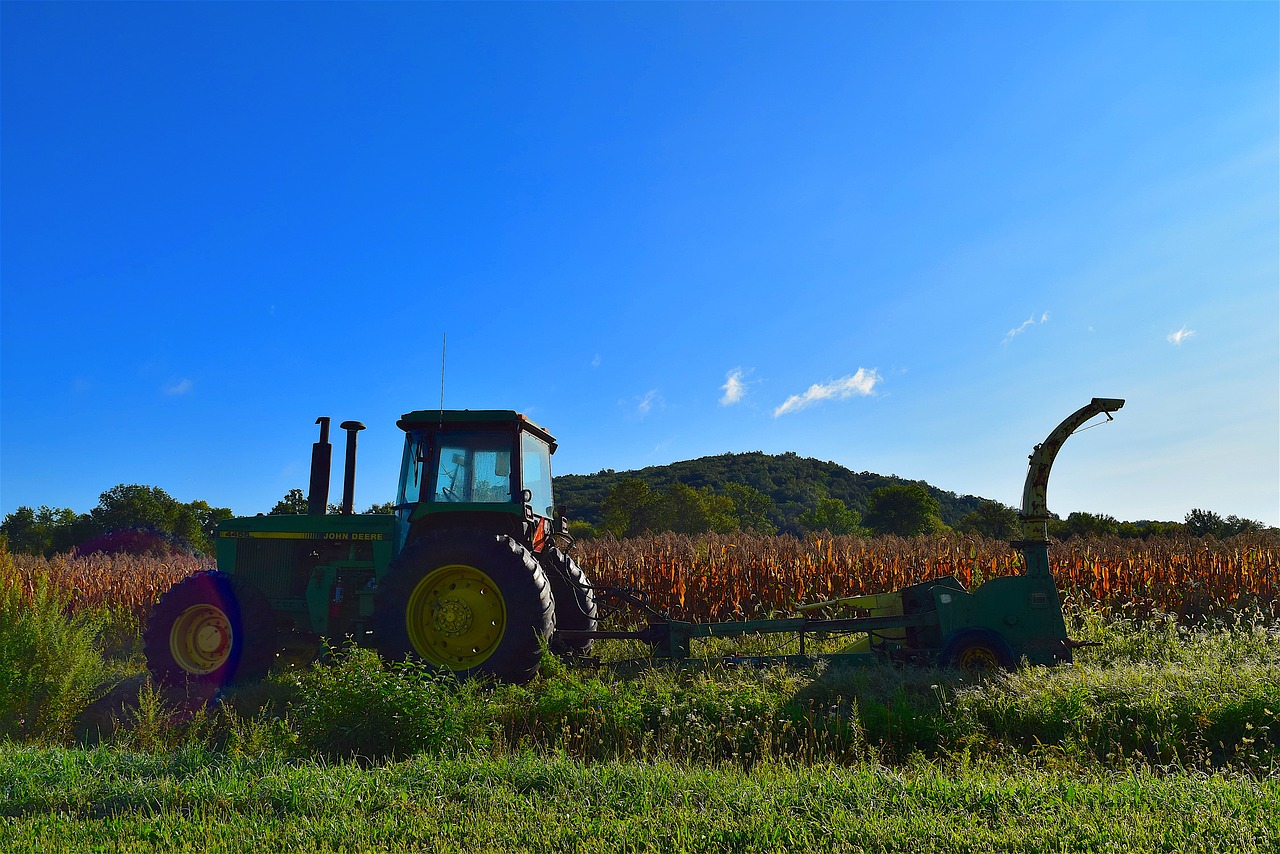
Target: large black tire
(209,630)
(977,651)
(575,602)
(477,604)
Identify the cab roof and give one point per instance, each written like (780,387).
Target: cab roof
(420,418)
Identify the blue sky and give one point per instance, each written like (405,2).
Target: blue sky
(908,238)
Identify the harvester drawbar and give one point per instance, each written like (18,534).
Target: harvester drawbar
(997,625)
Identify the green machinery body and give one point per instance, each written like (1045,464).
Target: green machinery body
(467,574)
(318,573)
(464,574)
(1000,623)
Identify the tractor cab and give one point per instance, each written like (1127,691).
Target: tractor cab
(480,468)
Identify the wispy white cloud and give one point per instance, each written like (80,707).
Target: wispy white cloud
(595,363)
(1176,338)
(860,384)
(181,387)
(735,387)
(647,401)
(1026,324)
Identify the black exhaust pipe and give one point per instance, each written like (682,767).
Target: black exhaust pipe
(321,463)
(349,475)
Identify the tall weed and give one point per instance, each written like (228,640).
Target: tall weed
(360,706)
(50,664)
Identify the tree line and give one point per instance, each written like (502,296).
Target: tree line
(787,493)
(129,518)
(633,508)
(141,519)
(133,519)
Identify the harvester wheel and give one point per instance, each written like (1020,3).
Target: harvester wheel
(575,601)
(976,651)
(209,629)
(471,602)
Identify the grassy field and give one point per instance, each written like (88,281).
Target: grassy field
(188,800)
(1163,737)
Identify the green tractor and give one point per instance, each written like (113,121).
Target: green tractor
(466,574)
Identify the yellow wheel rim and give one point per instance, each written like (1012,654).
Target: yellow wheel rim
(456,616)
(979,658)
(201,638)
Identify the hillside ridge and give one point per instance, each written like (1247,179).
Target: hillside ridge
(793,482)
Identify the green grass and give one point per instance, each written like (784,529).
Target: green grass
(1152,693)
(1163,737)
(84,800)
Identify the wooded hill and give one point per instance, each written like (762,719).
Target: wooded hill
(794,483)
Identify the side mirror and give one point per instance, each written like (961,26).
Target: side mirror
(560,530)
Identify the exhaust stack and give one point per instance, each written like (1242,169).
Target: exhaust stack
(349,474)
(321,463)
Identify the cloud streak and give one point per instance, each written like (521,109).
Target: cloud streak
(181,387)
(860,384)
(1026,324)
(1176,338)
(735,387)
(647,401)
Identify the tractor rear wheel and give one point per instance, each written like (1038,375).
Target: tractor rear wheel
(471,602)
(209,629)
(575,601)
(976,651)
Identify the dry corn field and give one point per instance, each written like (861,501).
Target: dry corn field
(717,577)
(124,581)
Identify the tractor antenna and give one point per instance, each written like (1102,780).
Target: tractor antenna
(444,344)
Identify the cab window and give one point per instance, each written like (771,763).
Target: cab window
(473,468)
(535,463)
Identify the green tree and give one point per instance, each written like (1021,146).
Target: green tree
(129,518)
(1203,523)
(197,524)
(1206,523)
(991,519)
(1085,525)
(24,533)
(1233,525)
(136,518)
(906,510)
(45,531)
(137,507)
(626,507)
(293,503)
(686,510)
(833,516)
(581,530)
(386,508)
(751,507)
(1146,528)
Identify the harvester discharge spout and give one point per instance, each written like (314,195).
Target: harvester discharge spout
(1034,514)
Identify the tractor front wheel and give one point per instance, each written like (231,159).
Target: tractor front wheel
(471,602)
(209,629)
